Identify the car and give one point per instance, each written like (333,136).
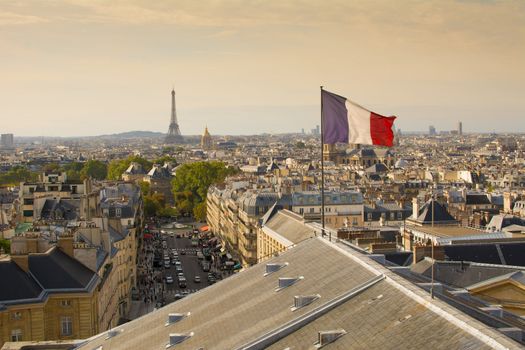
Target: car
(173,261)
(166,265)
(180,274)
(169,279)
(178,268)
(185,293)
(178,263)
(197,279)
(182,282)
(179,296)
(182,252)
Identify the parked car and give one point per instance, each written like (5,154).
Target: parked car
(178,268)
(197,279)
(169,279)
(179,296)
(182,282)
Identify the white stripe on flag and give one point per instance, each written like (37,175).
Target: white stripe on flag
(358,124)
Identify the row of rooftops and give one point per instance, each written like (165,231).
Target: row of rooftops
(51,272)
(314,295)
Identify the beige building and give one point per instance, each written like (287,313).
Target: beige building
(38,303)
(341,208)
(281,230)
(52,186)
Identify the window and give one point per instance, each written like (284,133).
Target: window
(65,303)
(16,335)
(301,211)
(369,215)
(354,221)
(311,210)
(118,212)
(66,326)
(392,216)
(17,315)
(399,215)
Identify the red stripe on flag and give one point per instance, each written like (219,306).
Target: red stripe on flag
(381,130)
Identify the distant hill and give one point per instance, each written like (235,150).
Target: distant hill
(136,134)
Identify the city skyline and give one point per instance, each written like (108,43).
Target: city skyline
(84,68)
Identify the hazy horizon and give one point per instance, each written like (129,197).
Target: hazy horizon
(88,67)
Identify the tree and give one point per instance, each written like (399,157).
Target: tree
(164,159)
(95,169)
(17,174)
(117,167)
(151,207)
(192,180)
(300,145)
(199,211)
(51,168)
(6,245)
(73,171)
(145,188)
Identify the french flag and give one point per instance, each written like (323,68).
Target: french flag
(346,122)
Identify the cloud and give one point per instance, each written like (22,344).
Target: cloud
(10,18)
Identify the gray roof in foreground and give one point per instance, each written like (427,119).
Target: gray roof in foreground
(377,309)
(289,225)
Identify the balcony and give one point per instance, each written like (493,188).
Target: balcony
(250,247)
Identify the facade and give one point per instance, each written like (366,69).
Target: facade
(359,157)
(39,304)
(280,231)
(53,186)
(342,208)
(234,217)
(159,179)
(7,141)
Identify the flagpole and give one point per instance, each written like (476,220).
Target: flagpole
(322,167)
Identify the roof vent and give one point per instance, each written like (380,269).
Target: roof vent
(271,268)
(287,282)
(176,338)
(172,318)
(327,337)
(113,332)
(302,300)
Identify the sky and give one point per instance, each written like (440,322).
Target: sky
(92,67)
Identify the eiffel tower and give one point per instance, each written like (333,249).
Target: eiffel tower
(174,135)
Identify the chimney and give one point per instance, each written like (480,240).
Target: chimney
(415,207)
(65,244)
(507,202)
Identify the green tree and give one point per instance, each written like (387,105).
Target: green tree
(17,174)
(300,145)
(95,169)
(199,211)
(73,171)
(163,159)
(51,168)
(117,167)
(192,180)
(145,188)
(151,207)
(6,245)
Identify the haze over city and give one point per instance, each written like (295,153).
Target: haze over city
(75,68)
